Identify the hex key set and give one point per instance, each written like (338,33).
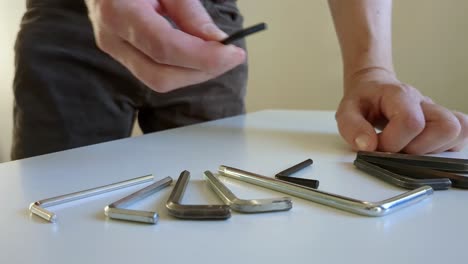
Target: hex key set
(420,174)
(412,171)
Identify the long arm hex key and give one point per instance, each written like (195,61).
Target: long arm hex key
(179,210)
(247,206)
(340,202)
(400,180)
(429,162)
(37,208)
(116,211)
(418,172)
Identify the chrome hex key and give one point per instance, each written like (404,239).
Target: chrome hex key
(179,210)
(116,211)
(37,208)
(247,206)
(337,201)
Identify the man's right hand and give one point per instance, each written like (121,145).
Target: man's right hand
(137,34)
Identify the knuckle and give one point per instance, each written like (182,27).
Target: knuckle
(451,128)
(414,123)
(463,121)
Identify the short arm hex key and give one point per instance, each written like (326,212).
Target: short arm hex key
(341,202)
(116,210)
(247,206)
(37,208)
(179,210)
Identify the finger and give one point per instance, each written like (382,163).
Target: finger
(354,127)
(405,118)
(191,17)
(161,78)
(153,35)
(461,140)
(442,128)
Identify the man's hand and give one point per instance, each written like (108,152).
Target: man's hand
(410,122)
(136,34)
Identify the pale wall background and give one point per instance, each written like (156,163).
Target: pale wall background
(296,63)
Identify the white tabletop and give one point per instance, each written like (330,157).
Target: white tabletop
(432,231)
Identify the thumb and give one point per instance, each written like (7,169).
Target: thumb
(354,127)
(192,18)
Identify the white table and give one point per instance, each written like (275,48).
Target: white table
(433,231)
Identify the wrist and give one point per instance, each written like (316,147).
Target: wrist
(369,74)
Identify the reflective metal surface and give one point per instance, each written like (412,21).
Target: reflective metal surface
(246,206)
(116,210)
(179,210)
(37,208)
(341,202)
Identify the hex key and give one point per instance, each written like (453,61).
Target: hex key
(116,211)
(436,163)
(381,208)
(285,175)
(179,210)
(247,206)
(400,180)
(412,171)
(37,208)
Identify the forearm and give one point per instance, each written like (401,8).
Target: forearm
(364,33)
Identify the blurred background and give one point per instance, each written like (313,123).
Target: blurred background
(296,64)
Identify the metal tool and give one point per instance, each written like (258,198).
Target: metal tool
(247,206)
(244,33)
(436,163)
(381,208)
(37,208)
(400,180)
(179,210)
(285,175)
(116,210)
(425,172)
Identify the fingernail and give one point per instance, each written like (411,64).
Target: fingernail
(362,141)
(214,32)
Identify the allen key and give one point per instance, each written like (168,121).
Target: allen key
(400,180)
(247,206)
(116,211)
(179,210)
(418,172)
(285,175)
(37,208)
(429,162)
(375,209)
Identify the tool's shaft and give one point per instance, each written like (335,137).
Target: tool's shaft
(341,202)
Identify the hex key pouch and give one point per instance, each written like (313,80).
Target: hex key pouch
(179,210)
